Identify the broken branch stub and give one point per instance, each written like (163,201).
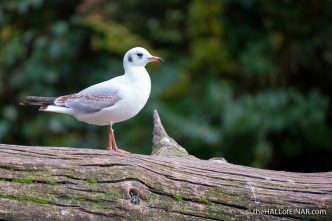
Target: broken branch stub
(162,144)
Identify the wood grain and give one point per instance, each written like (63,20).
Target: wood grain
(61,183)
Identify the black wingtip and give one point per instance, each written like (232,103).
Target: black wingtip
(42,101)
(28,103)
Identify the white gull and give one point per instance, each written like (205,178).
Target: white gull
(108,102)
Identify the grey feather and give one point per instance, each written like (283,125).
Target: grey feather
(91,103)
(91,99)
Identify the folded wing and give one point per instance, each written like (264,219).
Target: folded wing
(88,102)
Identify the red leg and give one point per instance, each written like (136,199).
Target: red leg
(114,146)
(110,137)
(112,143)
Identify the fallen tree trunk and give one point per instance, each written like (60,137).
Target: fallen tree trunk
(54,183)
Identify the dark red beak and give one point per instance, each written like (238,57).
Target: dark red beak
(155,58)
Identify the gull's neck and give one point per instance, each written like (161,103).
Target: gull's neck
(135,72)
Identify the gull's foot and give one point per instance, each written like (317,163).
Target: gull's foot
(117,151)
(120,151)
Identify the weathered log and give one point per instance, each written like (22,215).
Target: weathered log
(61,183)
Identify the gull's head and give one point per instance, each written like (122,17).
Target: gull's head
(139,57)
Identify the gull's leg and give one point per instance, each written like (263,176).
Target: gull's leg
(110,138)
(114,146)
(112,143)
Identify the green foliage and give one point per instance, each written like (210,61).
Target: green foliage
(203,201)
(93,181)
(247,80)
(178,197)
(18,198)
(21,181)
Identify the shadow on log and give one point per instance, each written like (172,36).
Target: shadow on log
(55,183)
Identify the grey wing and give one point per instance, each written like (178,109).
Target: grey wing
(93,98)
(88,102)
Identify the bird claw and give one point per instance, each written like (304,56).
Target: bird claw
(120,151)
(117,151)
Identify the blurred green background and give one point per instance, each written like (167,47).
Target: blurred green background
(247,80)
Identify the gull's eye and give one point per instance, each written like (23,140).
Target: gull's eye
(140,55)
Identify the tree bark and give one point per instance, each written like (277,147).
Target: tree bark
(61,183)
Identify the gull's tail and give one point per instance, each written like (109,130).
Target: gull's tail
(43,102)
(47,104)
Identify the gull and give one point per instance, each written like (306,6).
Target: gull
(108,102)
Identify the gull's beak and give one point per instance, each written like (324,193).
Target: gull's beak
(155,58)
